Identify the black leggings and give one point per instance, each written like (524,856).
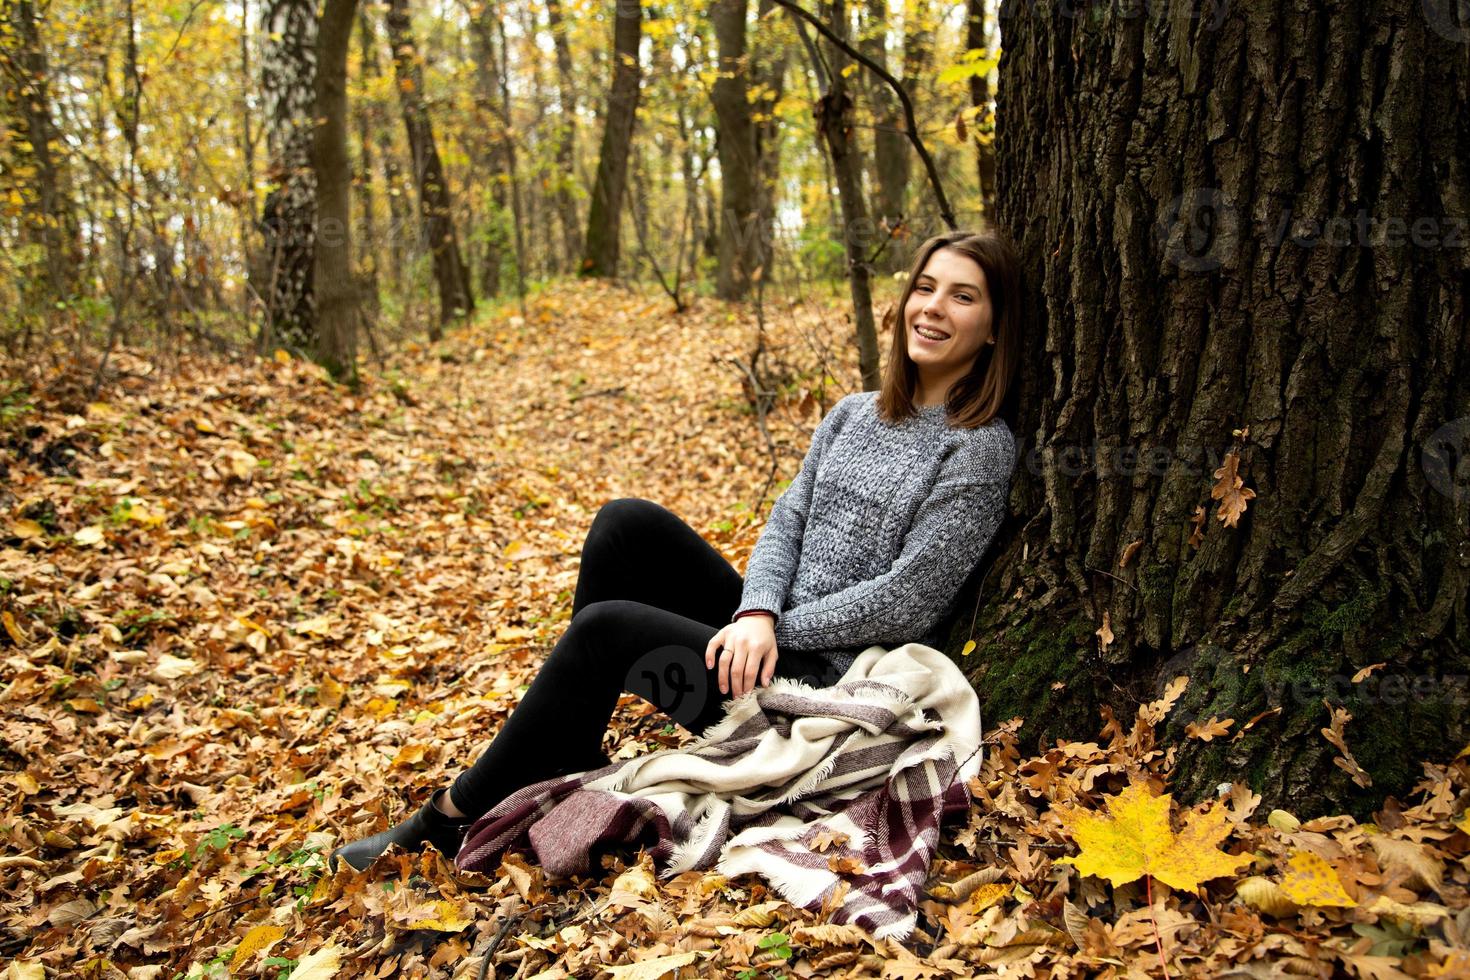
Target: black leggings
(650,596)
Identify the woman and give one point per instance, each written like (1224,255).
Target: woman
(897,499)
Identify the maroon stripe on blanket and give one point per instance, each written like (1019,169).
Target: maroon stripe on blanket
(799,706)
(565,838)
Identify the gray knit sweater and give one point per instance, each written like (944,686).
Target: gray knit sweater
(874,537)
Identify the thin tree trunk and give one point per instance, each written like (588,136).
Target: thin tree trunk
(564,187)
(977,36)
(402,230)
(334,286)
(834,112)
(740,233)
(288,80)
(1228,288)
(604,219)
(493,149)
(890,145)
(918,55)
(365,117)
(435,204)
(768,71)
(508,148)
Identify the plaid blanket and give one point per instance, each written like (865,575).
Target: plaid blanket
(819,791)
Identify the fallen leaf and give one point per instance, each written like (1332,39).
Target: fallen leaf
(89,536)
(171,668)
(319,965)
(257,940)
(1135,839)
(1204,731)
(1265,895)
(659,966)
(441,916)
(1310,880)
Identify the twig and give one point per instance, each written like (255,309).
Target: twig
(500,934)
(912,126)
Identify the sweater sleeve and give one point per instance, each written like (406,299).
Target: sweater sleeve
(950,534)
(772,565)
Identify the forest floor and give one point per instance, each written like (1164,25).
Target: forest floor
(246,613)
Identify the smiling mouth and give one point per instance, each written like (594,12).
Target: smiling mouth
(929,333)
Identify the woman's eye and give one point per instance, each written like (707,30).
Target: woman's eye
(963,296)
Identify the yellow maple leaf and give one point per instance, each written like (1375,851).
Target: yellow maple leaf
(1135,839)
(1309,880)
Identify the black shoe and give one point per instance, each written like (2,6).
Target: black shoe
(427,826)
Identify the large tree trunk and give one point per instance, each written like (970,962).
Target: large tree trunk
(1239,266)
(565,184)
(334,285)
(740,236)
(435,205)
(834,123)
(605,217)
(288,217)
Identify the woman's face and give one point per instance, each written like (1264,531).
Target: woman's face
(949,298)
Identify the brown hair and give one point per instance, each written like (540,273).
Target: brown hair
(976,398)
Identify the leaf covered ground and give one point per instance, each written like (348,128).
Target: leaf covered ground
(246,614)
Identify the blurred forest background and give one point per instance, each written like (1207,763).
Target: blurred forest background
(161,175)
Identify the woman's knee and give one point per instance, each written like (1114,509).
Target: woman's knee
(628,512)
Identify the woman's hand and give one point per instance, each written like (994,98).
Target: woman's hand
(750,653)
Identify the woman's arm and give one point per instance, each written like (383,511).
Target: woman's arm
(950,535)
(772,565)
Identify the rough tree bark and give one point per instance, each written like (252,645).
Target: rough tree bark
(334,285)
(288,216)
(435,205)
(605,216)
(1229,249)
